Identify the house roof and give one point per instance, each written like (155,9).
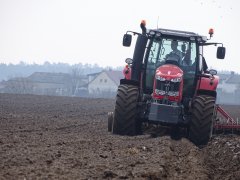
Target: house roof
(94,74)
(230,78)
(115,76)
(234,79)
(45,77)
(224,76)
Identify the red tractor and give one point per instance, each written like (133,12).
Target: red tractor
(167,82)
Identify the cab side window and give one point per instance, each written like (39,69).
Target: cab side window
(151,64)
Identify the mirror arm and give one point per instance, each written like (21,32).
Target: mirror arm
(134,33)
(207,44)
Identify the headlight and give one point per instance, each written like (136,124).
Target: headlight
(176,79)
(160,92)
(160,78)
(173,93)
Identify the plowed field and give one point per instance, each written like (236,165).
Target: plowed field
(43,137)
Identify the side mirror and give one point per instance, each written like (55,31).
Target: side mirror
(213,72)
(127,39)
(129,61)
(221,52)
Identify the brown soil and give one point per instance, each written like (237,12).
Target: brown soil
(43,137)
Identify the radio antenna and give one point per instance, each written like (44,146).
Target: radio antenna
(157,21)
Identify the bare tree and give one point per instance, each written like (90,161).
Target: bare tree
(76,78)
(19,86)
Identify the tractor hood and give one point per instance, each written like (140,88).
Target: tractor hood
(168,84)
(169,72)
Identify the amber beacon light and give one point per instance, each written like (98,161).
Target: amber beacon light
(143,22)
(210,32)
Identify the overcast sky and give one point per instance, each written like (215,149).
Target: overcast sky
(90,31)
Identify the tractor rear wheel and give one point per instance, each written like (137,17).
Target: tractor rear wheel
(126,121)
(201,125)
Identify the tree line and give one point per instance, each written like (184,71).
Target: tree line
(23,69)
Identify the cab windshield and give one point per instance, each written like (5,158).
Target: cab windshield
(170,51)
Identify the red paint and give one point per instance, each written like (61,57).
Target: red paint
(228,123)
(169,72)
(127,72)
(209,84)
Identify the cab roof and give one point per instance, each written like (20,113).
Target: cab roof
(178,33)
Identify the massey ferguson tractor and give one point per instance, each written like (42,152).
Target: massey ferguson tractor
(168,83)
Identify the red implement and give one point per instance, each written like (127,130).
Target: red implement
(227,122)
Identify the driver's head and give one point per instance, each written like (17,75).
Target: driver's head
(174,45)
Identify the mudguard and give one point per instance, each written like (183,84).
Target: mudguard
(208,83)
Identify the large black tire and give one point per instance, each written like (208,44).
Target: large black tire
(125,120)
(201,125)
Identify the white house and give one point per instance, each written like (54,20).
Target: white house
(105,84)
(229,82)
(228,89)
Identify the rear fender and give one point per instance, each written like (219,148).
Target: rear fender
(127,71)
(208,83)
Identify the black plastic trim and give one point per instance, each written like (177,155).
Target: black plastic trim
(207,92)
(130,82)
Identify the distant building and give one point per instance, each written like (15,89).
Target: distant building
(229,82)
(228,89)
(18,85)
(92,76)
(44,83)
(51,83)
(104,84)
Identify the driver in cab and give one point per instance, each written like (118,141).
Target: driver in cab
(175,55)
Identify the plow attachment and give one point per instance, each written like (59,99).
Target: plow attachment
(225,123)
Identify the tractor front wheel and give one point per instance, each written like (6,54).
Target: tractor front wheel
(201,125)
(125,119)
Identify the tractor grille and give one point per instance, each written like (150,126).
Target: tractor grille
(167,88)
